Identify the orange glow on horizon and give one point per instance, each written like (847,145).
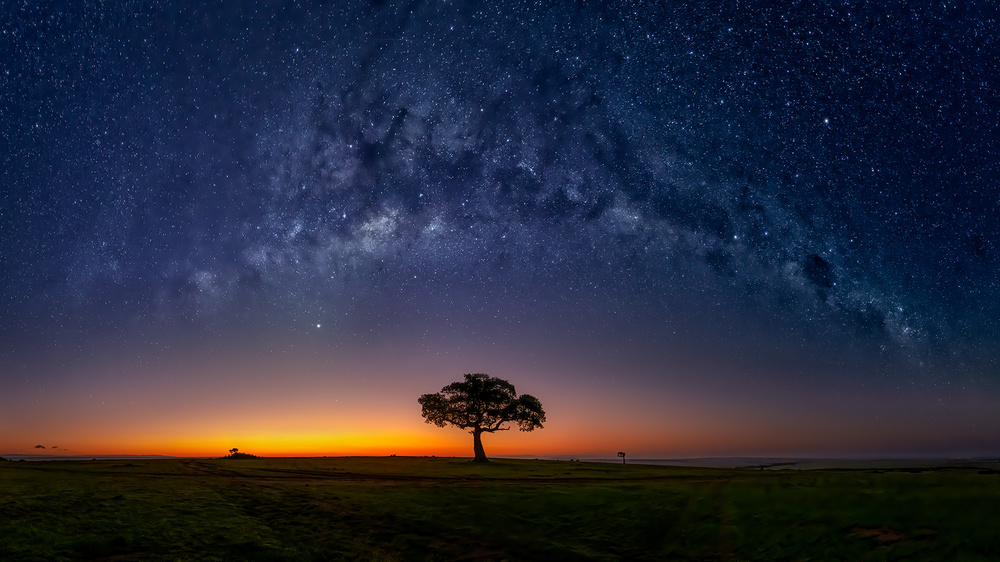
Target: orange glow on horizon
(306,445)
(339,406)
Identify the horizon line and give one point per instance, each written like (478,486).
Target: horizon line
(984,457)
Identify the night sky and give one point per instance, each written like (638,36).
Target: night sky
(688,228)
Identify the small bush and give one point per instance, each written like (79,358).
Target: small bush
(240,456)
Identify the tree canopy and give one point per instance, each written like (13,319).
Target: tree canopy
(482,404)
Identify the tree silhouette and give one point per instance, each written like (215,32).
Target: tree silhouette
(235,453)
(482,404)
(622,455)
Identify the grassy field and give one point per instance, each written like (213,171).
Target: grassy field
(450,509)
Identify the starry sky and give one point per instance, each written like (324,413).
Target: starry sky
(688,228)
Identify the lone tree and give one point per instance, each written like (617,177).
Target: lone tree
(482,404)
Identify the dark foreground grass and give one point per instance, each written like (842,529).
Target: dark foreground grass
(450,509)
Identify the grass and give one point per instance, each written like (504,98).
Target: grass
(450,509)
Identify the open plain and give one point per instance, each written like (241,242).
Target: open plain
(400,508)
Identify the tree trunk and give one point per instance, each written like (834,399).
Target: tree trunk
(477,445)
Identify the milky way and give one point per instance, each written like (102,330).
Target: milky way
(820,182)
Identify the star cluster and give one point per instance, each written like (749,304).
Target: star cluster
(817,182)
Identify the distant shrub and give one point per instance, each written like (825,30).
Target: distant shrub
(238,455)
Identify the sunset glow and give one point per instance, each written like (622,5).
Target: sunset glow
(331,405)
